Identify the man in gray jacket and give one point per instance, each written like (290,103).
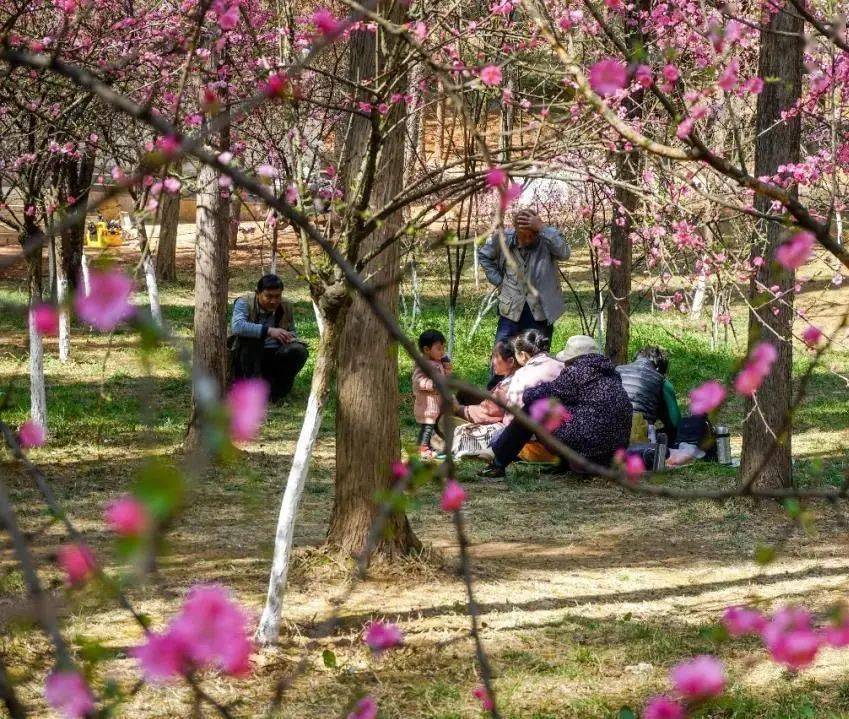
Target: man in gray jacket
(263,341)
(535,250)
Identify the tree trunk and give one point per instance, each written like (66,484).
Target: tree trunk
(269,625)
(166,249)
(210,321)
(38,395)
(59,247)
(618,333)
(63,287)
(275,239)
(777,143)
(233,224)
(78,185)
(367,425)
(133,226)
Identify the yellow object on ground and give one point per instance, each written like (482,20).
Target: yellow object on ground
(537,453)
(100,235)
(639,429)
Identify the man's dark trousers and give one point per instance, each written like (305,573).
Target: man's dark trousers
(507,329)
(278,365)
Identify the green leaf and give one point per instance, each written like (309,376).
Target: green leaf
(793,507)
(716,633)
(764,554)
(329,659)
(626,713)
(161,487)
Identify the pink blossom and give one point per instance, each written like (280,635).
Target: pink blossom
(215,630)
(267,171)
(78,563)
(661,707)
(169,145)
(491,75)
(68,694)
(419,30)
(811,336)
(739,621)
(607,76)
(127,517)
(549,413)
(229,18)
(381,636)
(247,401)
(510,195)
(292,194)
(482,695)
(108,302)
(728,78)
(837,636)
(748,381)
(685,127)
(400,470)
(796,251)
(671,73)
(790,638)
(31,434)
(365,708)
(66,6)
(162,657)
(706,397)
(453,496)
(700,678)
(277,85)
(753,86)
(496,177)
(210,631)
(172,185)
(795,648)
(632,464)
(643,75)
(754,372)
(326,23)
(45,319)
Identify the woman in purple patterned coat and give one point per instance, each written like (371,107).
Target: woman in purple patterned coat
(591,391)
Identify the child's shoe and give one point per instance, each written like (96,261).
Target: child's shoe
(426,454)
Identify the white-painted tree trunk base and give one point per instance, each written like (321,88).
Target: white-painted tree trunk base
(152,289)
(268,630)
(38,395)
(64,320)
(698,298)
(86,280)
(319,320)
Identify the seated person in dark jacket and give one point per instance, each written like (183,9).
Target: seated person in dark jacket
(591,391)
(649,390)
(263,341)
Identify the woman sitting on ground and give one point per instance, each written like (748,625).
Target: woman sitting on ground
(535,366)
(592,393)
(486,419)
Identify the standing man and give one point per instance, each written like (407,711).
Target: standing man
(263,341)
(535,250)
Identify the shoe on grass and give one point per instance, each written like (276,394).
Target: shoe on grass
(492,471)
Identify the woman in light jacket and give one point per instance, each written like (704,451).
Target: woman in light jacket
(535,366)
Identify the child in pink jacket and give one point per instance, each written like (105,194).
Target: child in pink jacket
(428,402)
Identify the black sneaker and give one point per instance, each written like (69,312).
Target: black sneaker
(492,471)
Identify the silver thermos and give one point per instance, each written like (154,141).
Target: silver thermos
(660,452)
(723,444)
